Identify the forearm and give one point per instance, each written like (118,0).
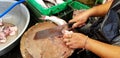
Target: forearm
(100,10)
(102,49)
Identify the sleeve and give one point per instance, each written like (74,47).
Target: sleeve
(116,41)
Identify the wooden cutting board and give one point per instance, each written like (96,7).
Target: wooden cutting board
(32,30)
(29,35)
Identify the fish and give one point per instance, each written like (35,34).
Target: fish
(42,3)
(52,1)
(56,2)
(49,4)
(59,1)
(54,19)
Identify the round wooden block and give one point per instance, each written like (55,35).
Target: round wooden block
(42,48)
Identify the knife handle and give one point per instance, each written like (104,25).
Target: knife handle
(70,24)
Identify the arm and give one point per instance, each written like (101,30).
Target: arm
(100,10)
(81,18)
(102,49)
(78,40)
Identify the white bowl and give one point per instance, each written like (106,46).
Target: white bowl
(18,16)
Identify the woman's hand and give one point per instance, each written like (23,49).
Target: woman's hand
(80,19)
(74,40)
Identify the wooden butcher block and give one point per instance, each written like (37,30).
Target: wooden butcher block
(43,48)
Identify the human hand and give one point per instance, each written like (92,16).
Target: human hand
(74,40)
(80,19)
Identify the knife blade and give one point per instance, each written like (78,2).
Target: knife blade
(51,32)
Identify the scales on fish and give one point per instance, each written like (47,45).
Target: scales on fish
(49,3)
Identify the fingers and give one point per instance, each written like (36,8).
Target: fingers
(67,42)
(74,20)
(78,24)
(67,33)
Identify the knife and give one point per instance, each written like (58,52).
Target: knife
(51,32)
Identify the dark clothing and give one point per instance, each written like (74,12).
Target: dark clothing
(107,29)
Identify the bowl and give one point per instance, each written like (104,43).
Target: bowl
(20,17)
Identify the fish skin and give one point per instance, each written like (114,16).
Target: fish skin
(52,1)
(59,1)
(42,3)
